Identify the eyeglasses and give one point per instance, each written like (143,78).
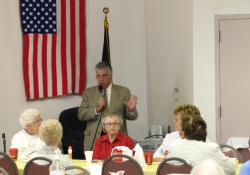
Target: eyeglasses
(112,124)
(38,121)
(101,77)
(176,119)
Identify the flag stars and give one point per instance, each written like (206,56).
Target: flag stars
(38,13)
(27,9)
(23,13)
(24,22)
(38,5)
(30,5)
(31,22)
(23,5)
(31,13)
(42,9)
(34,9)
(27,17)
(46,5)
(46,13)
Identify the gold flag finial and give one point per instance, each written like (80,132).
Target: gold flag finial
(106,11)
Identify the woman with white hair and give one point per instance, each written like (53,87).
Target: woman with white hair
(50,133)
(27,141)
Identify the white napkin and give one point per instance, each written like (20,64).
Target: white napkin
(95,169)
(139,155)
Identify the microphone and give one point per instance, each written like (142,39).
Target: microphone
(100,90)
(4,142)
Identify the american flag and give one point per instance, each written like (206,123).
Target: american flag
(53,47)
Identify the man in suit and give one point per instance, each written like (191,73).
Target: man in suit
(93,106)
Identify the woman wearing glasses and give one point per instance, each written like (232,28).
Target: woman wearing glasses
(111,124)
(27,141)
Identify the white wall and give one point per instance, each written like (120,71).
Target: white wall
(204,53)
(127,40)
(169,48)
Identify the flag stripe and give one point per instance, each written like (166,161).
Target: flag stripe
(30,66)
(44,68)
(63,48)
(48,66)
(54,65)
(35,68)
(73,43)
(26,64)
(68,43)
(82,46)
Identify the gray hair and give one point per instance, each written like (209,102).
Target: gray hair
(103,65)
(208,167)
(113,114)
(51,131)
(28,116)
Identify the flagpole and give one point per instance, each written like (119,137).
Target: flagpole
(106,47)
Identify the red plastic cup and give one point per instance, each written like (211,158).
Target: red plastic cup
(13,153)
(148,157)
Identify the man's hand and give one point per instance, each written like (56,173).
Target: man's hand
(131,103)
(101,103)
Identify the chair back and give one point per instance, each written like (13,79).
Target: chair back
(170,168)
(8,164)
(3,171)
(37,166)
(84,171)
(130,166)
(245,154)
(73,130)
(231,152)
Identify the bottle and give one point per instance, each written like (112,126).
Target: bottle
(57,168)
(70,152)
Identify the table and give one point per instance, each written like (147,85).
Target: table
(149,170)
(238,142)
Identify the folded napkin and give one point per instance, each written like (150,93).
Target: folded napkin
(139,155)
(123,150)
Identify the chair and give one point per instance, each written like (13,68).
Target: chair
(168,168)
(84,171)
(130,166)
(8,164)
(231,152)
(245,154)
(3,171)
(73,130)
(34,166)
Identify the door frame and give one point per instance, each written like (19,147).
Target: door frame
(217,20)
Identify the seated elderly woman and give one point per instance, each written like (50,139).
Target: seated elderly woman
(111,123)
(50,132)
(27,141)
(193,147)
(181,110)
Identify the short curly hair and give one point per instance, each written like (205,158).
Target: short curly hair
(194,127)
(112,114)
(50,131)
(28,116)
(187,109)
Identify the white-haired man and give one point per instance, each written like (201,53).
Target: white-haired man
(27,141)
